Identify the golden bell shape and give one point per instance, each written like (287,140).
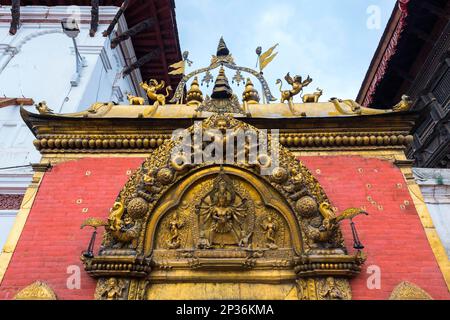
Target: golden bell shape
(194,95)
(250,95)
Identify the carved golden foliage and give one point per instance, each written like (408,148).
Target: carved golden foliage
(36,291)
(409,291)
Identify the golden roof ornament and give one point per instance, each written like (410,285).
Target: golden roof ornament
(42,108)
(267,57)
(222,49)
(404,105)
(194,95)
(313,97)
(222,99)
(179,68)
(222,89)
(224,59)
(152,87)
(250,95)
(135,100)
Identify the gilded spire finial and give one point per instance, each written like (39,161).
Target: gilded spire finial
(222,89)
(194,95)
(250,95)
(222,49)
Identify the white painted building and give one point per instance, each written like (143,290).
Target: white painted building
(38,62)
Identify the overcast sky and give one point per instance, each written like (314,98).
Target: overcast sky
(327,39)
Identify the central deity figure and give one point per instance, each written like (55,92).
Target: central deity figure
(221,214)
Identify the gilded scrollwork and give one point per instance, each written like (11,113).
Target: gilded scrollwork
(409,291)
(36,291)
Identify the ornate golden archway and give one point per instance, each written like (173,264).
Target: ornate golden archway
(214,231)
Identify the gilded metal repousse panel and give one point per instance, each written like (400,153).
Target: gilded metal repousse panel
(261,227)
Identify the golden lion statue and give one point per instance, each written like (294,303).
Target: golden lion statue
(152,88)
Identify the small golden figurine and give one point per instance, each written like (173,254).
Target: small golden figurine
(313,97)
(136,101)
(297,84)
(112,289)
(152,88)
(330,290)
(331,220)
(175,224)
(270,227)
(42,108)
(404,105)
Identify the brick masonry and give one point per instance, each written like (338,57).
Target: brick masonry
(10,201)
(393,235)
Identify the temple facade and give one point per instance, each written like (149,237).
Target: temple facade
(224,195)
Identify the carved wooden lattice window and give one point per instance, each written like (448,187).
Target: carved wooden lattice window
(442,89)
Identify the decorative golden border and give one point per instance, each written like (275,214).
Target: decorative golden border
(101,143)
(19,223)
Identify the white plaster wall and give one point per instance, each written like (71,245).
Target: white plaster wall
(440,214)
(6,222)
(435,187)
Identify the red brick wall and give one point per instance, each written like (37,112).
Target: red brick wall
(52,240)
(394,237)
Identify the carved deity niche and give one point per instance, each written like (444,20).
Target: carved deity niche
(174,230)
(225,215)
(222,212)
(272,231)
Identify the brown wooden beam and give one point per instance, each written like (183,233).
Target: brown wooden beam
(94,17)
(403,74)
(127,70)
(438,11)
(141,26)
(119,13)
(6,102)
(422,35)
(15,15)
(161,45)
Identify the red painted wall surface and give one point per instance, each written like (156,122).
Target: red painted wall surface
(393,235)
(52,240)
